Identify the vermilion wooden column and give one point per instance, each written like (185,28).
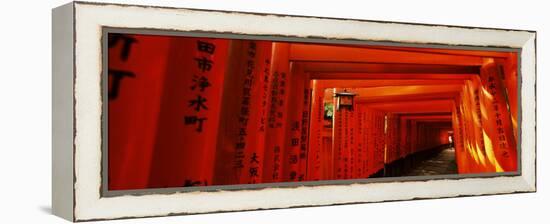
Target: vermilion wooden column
(462,156)
(277,113)
(339,139)
(295,160)
(229,165)
(474,96)
(344,141)
(370,141)
(483,123)
(404,137)
(470,140)
(498,124)
(414,137)
(131,70)
(366,141)
(392,138)
(380,116)
(315,146)
(240,154)
(509,67)
(359,156)
(351,144)
(305,119)
(252,107)
(397,136)
(189,113)
(327,155)
(374,140)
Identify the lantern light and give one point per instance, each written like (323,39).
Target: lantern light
(344,100)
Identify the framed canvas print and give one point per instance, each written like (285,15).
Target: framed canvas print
(169,111)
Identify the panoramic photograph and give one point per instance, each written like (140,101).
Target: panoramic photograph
(186,111)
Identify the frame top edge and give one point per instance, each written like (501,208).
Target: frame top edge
(296,16)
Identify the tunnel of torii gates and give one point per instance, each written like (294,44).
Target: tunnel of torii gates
(260,117)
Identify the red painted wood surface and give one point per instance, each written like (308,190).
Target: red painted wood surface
(198,111)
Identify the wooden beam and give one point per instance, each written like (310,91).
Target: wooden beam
(366,76)
(424,106)
(405,90)
(433,50)
(427,116)
(326,53)
(361,83)
(335,67)
(405,98)
(479,53)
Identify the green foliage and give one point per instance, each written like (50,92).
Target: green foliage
(329,111)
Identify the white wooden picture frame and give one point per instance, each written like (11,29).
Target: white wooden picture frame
(77,111)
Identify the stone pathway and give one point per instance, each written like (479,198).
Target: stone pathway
(440,164)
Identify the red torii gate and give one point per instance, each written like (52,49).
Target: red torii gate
(265,118)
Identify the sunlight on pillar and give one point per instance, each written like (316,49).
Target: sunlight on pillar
(490,153)
(480,155)
(472,152)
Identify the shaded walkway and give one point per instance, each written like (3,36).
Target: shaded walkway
(439,164)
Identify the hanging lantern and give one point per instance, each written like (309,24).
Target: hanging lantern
(344,100)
